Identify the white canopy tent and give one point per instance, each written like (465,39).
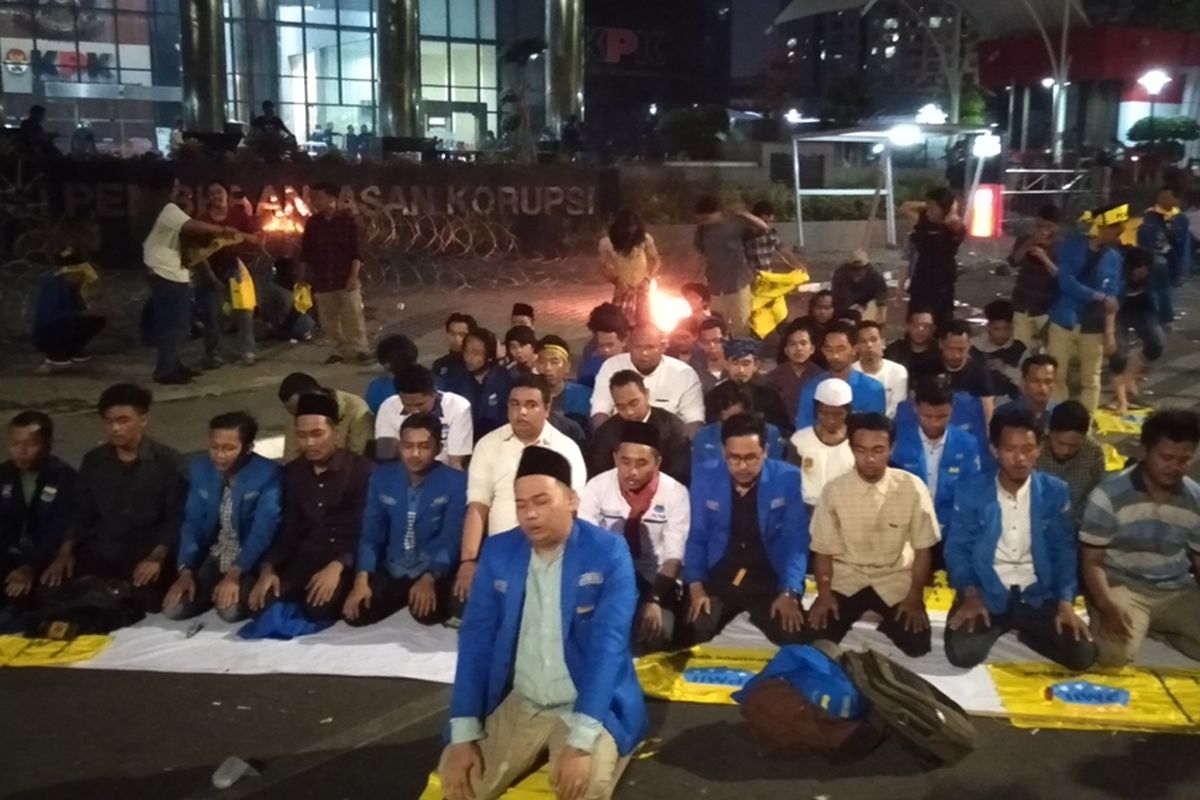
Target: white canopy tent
(871,136)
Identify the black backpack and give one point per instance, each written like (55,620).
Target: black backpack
(88,605)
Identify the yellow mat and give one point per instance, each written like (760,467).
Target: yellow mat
(1107,422)
(662,674)
(17,651)
(534,787)
(1113,460)
(1160,699)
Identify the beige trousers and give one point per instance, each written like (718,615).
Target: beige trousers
(1088,348)
(1030,331)
(1173,616)
(341,314)
(517,737)
(735,308)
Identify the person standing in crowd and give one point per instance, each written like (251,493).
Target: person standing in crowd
(37,498)
(324,494)
(483,381)
(748,544)
(128,505)
(721,243)
(1141,546)
(520,343)
(1165,233)
(527,681)
(411,531)
(395,353)
(714,365)
(933,245)
(917,349)
(491,503)
(330,251)
(1012,558)
(727,400)
(893,376)
(446,367)
(567,398)
(610,330)
(742,357)
(795,365)
(873,532)
(763,249)
(222,277)
(838,346)
(966,375)
(33,141)
(823,450)
(62,324)
(230,519)
(1037,387)
(417,393)
(859,286)
(170,280)
(652,512)
(1000,350)
(1070,453)
(1036,287)
(521,315)
(1089,280)
(673,385)
(1137,312)
(269,122)
(629,261)
(354,426)
(631,400)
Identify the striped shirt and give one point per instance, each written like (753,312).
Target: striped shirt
(1147,542)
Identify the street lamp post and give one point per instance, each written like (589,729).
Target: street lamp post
(1153,82)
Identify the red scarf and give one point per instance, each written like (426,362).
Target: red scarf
(639,504)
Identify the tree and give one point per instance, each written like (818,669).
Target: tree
(519,122)
(1165,135)
(1179,15)
(693,132)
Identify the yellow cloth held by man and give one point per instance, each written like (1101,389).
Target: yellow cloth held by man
(302,299)
(768,299)
(241,290)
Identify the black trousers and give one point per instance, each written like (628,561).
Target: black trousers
(754,594)
(68,336)
(207,577)
(1035,629)
(853,608)
(293,588)
(389,595)
(118,565)
(937,299)
(672,611)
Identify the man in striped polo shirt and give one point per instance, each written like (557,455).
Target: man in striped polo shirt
(1141,537)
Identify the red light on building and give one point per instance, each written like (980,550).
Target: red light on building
(987,212)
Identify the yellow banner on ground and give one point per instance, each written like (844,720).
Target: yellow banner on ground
(664,675)
(1109,422)
(533,787)
(768,299)
(1160,699)
(1113,460)
(18,651)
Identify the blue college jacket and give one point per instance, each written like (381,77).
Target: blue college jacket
(599,597)
(489,400)
(257,498)
(866,394)
(782,522)
(32,533)
(441,507)
(707,448)
(971,541)
(960,462)
(1074,288)
(57,300)
(1169,238)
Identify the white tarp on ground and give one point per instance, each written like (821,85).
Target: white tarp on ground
(400,648)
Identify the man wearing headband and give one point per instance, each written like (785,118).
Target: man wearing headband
(651,512)
(324,493)
(411,531)
(741,356)
(417,393)
(231,517)
(1090,285)
(572,400)
(823,450)
(674,386)
(544,662)
(748,544)
(631,399)
(62,326)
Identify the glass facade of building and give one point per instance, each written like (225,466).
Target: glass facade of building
(116,63)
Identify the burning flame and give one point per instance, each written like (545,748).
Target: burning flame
(667,310)
(289,218)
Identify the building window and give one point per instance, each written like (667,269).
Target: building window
(459,70)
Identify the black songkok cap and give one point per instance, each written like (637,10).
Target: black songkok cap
(317,403)
(544,461)
(641,433)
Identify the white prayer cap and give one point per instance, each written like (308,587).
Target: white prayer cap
(834,392)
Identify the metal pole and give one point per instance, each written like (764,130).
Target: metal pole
(890,188)
(202,59)
(1025,119)
(564,62)
(1060,118)
(1012,109)
(796,186)
(399,68)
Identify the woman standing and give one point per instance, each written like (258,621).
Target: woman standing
(222,270)
(629,261)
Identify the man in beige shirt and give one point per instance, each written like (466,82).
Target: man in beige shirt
(872,532)
(355,423)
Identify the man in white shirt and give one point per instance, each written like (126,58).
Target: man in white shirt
(491,504)
(823,450)
(674,386)
(170,280)
(651,510)
(416,392)
(1011,555)
(893,376)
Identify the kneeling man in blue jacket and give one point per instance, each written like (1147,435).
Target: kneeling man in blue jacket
(544,659)
(1011,556)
